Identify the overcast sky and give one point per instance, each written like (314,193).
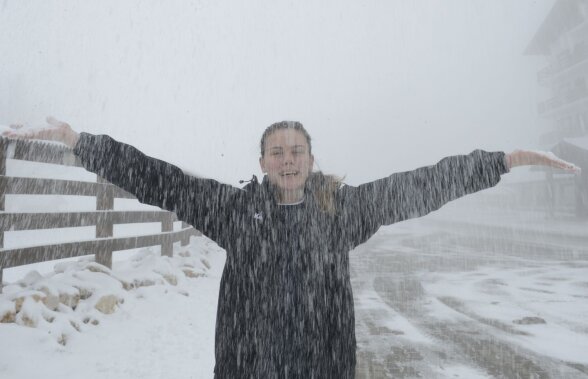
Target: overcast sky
(382,86)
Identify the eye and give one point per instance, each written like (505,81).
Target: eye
(275,153)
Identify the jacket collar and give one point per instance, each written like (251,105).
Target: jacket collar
(266,191)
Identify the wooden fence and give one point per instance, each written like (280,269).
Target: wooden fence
(104,217)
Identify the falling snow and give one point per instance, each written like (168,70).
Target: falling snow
(407,265)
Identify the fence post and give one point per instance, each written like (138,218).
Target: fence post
(104,202)
(186,238)
(3,144)
(551,194)
(167,225)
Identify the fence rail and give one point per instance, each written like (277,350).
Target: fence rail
(104,217)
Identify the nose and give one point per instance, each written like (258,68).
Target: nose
(288,158)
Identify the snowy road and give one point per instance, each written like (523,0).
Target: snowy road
(471,302)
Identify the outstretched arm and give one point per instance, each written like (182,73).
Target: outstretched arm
(416,193)
(202,203)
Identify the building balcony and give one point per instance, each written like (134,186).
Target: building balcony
(565,60)
(555,103)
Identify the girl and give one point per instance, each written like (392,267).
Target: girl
(285,305)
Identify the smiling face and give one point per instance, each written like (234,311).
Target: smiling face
(287,162)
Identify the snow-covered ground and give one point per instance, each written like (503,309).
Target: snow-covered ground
(162,328)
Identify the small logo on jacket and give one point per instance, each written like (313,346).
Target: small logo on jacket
(258,216)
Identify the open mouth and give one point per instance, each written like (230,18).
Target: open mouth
(289,173)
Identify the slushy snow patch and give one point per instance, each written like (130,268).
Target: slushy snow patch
(78,295)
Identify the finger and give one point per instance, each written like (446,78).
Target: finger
(9,134)
(55,122)
(19,134)
(568,166)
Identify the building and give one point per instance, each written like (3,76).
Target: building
(563,39)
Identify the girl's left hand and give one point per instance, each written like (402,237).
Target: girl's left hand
(539,158)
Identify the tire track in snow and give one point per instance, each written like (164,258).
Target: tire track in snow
(477,339)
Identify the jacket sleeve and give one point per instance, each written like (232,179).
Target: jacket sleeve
(410,194)
(199,202)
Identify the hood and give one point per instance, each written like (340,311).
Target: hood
(263,190)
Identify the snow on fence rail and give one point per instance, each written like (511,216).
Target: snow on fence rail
(104,218)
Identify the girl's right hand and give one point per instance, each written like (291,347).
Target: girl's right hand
(56,131)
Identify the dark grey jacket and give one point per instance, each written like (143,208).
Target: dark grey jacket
(285,305)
